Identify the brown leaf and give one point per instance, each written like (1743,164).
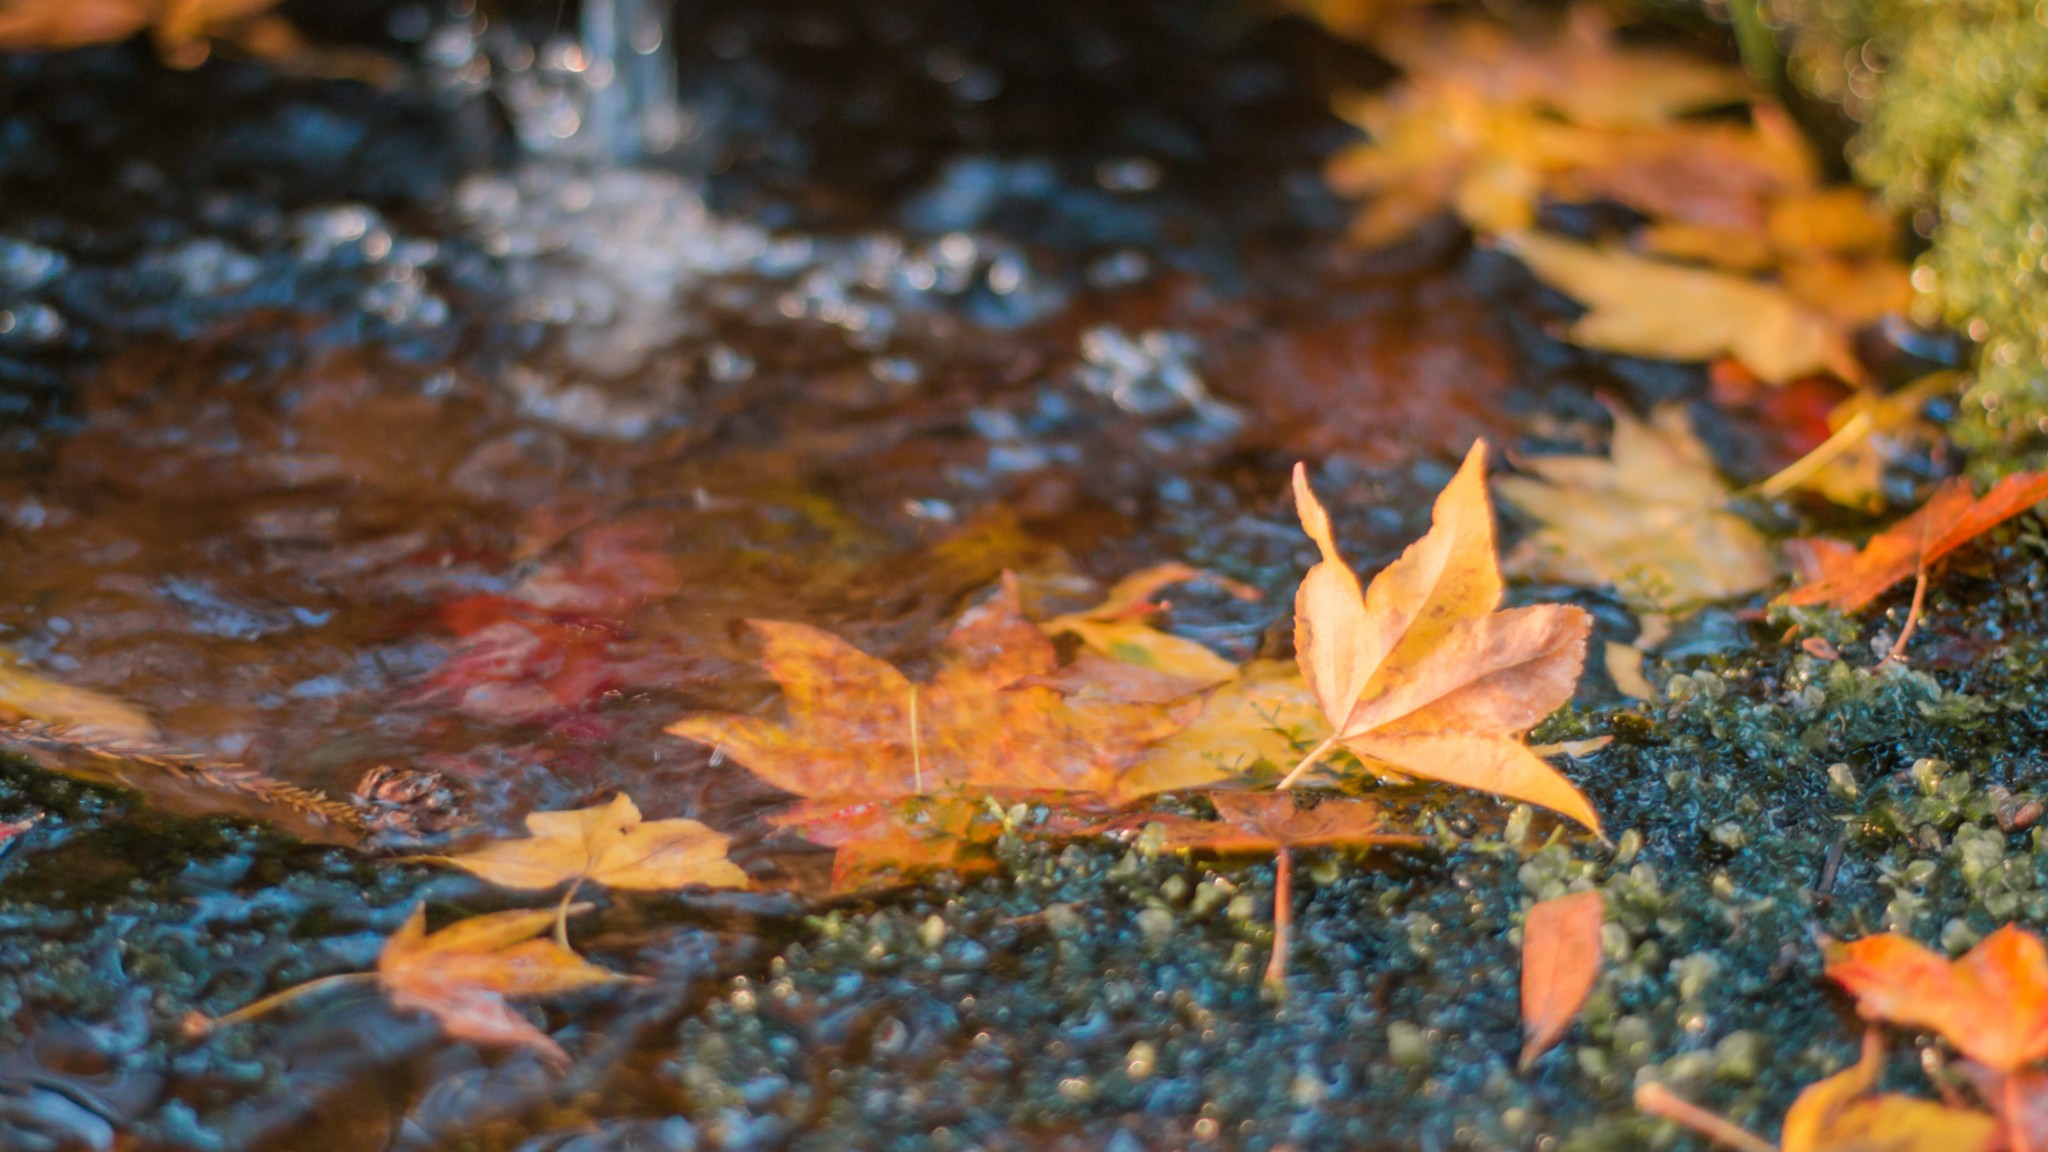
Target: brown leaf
(608,844)
(1270,821)
(463,974)
(1418,674)
(1560,959)
(1847,580)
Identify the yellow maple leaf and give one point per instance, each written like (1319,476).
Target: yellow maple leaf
(1650,519)
(608,844)
(462,976)
(1419,674)
(1642,307)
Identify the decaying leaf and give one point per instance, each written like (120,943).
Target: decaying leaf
(463,976)
(1651,519)
(1992,1004)
(1272,821)
(1419,674)
(607,844)
(1847,579)
(1838,1115)
(1643,307)
(1252,729)
(1560,960)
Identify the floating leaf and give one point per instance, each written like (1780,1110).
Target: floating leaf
(1847,579)
(1560,959)
(1419,674)
(608,844)
(1992,1004)
(1651,519)
(1642,307)
(1251,729)
(24,695)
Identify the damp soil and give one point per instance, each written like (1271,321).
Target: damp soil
(369,452)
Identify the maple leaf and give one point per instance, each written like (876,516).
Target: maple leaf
(1274,822)
(1992,1004)
(1651,519)
(1582,72)
(608,844)
(1116,629)
(858,732)
(1560,960)
(1255,725)
(1643,307)
(1847,579)
(463,976)
(1837,1114)
(180,27)
(1419,674)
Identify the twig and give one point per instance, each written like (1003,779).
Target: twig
(1661,1102)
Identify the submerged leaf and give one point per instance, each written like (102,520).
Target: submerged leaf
(610,845)
(1651,519)
(1418,674)
(1642,307)
(1270,821)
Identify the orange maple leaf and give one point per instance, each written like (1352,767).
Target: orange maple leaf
(1419,674)
(1846,579)
(180,27)
(858,733)
(1837,1114)
(1992,1004)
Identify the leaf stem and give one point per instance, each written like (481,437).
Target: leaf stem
(916,747)
(1308,762)
(562,915)
(277,1000)
(1283,919)
(1665,1104)
(1898,652)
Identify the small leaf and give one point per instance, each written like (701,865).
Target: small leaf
(1560,959)
(608,844)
